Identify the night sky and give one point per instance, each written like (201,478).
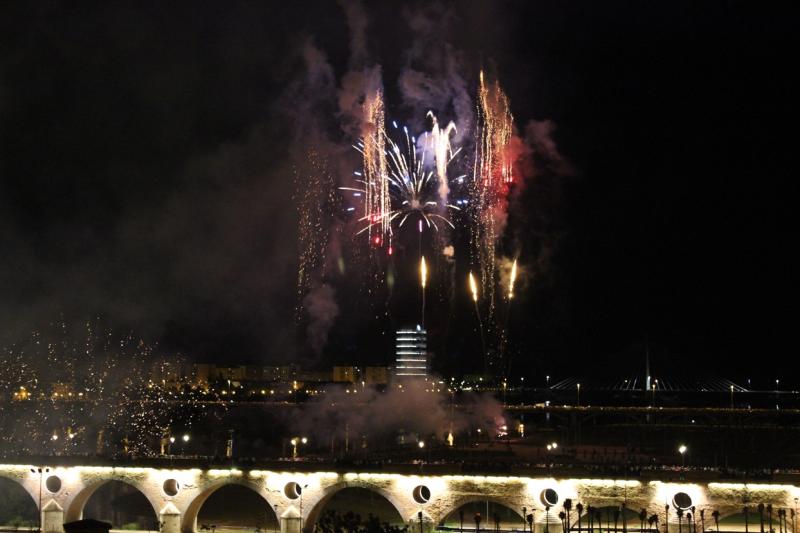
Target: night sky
(146,176)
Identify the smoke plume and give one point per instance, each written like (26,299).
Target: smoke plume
(322,310)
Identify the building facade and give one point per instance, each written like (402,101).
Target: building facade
(411,353)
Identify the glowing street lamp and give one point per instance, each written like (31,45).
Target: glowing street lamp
(682,450)
(294,442)
(579,394)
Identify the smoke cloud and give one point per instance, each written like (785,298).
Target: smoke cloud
(322,310)
(413,408)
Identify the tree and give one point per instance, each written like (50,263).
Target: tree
(653,521)
(567,509)
(746,513)
(769,515)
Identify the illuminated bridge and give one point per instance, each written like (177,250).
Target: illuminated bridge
(297,497)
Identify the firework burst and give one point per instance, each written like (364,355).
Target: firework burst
(398,181)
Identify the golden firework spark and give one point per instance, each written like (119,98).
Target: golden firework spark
(473,287)
(512,279)
(492,175)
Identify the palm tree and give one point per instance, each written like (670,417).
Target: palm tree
(547,519)
(579,508)
(624,519)
(769,514)
(666,519)
(568,508)
(653,520)
(715,515)
(679,512)
(703,519)
(761,516)
(694,520)
(615,513)
(746,513)
(642,519)
(563,517)
(590,518)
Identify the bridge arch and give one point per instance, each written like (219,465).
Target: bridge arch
(315,508)
(27,487)
(22,507)
(486,522)
(189,519)
(74,510)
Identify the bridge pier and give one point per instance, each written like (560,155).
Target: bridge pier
(170,518)
(52,518)
(291,520)
(421,523)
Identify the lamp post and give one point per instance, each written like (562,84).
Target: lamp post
(294,442)
(301,490)
(579,394)
(682,450)
(731,396)
(185,438)
(41,471)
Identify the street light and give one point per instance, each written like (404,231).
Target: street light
(294,442)
(682,450)
(41,471)
(731,396)
(579,394)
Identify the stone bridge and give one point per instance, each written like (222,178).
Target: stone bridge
(298,498)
